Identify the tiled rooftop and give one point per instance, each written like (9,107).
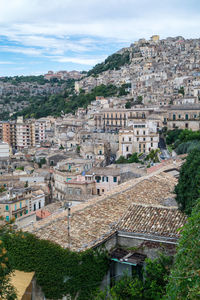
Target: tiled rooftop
(97,218)
(157,220)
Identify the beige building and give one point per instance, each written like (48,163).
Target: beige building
(141,137)
(184,117)
(15,203)
(105,179)
(115,119)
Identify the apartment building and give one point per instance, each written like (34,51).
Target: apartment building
(23,134)
(141,137)
(115,119)
(184,117)
(15,203)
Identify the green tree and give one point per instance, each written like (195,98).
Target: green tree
(188,188)
(7,291)
(181,90)
(121,160)
(150,285)
(153,156)
(139,99)
(128,105)
(184,280)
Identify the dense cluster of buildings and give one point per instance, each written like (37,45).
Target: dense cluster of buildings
(49,161)
(64,75)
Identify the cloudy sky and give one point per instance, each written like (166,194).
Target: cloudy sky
(41,35)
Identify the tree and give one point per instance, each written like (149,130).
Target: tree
(184,280)
(188,188)
(139,99)
(121,160)
(150,285)
(7,291)
(153,155)
(61,147)
(128,105)
(78,149)
(181,90)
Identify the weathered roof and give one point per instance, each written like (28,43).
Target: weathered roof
(91,222)
(148,219)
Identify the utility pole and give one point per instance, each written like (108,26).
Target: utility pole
(67,205)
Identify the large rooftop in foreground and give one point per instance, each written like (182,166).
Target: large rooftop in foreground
(94,220)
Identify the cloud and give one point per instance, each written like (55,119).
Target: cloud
(80,60)
(21,50)
(6,63)
(83,32)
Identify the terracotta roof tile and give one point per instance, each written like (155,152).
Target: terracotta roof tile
(97,218)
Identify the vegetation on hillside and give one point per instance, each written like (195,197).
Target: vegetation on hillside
(184,280)
(188,188)
(66,102)
(7,291)
(183,141)
(114,61)
(29,79)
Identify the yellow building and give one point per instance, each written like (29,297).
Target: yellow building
(15,203)
(155,38)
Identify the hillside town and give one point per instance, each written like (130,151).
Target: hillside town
(72,158)
(105,175)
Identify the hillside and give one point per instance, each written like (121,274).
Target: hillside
(17,93)
(67,102)
(113,62)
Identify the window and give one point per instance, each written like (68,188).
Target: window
(130,139)
(39,205)
(103,178)
(7,218)
(114,179)
(174,117)
(151,144)
(144,132)
(107,179)
(20,214)
(7,207)
(78,191)
(144,139)
(34,207)
(27,211)
(102,190)
(179,116)
(15,216)
(123,139)
(137,132)
(70,191)
(137,139)
(186,116)
(20,205)
(126,148)
(100,152)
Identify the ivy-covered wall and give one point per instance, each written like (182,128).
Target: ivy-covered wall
(58,271)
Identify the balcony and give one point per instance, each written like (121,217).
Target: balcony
(24,208)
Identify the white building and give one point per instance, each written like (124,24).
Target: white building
(37,200)
(4,150)
(140,137)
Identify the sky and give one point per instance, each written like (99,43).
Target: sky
(41,35)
